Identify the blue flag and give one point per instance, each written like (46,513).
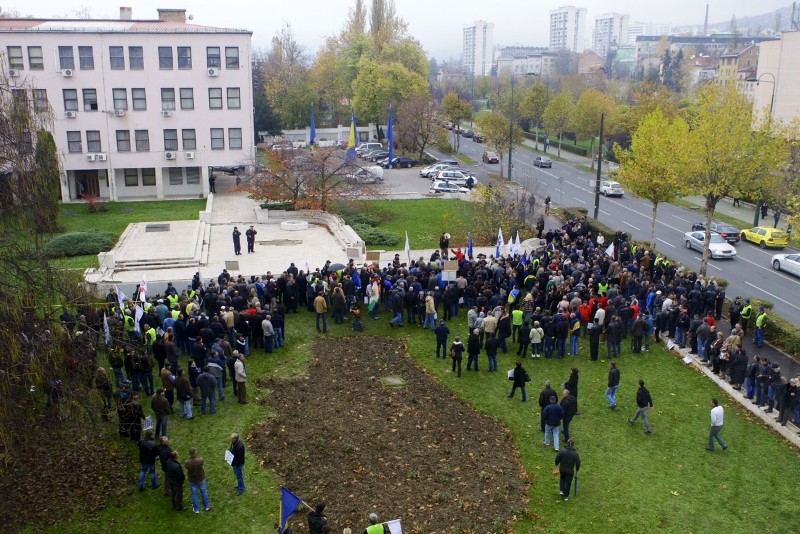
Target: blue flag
(357,280)
(469,246)
(391,141)
(524,259)
(289,504)
(313,134)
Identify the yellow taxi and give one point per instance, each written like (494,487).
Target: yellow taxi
(766,237)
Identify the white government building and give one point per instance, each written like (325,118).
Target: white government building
(142,108)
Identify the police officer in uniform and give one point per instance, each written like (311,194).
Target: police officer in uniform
(745,315)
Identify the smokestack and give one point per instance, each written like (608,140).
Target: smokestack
(125,13)
(172,15)
(705,26)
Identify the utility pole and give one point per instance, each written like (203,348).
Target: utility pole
(599,161)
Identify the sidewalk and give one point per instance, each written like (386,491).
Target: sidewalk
(744,212)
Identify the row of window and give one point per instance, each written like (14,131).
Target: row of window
(148,176)
(216,96)
(116,56)
(141,140)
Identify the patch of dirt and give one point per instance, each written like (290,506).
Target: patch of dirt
(412,451)
(60,474)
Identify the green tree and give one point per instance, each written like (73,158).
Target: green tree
(287,80)
(455,110)
(47,178)
(533,102)
(264,120)
(417,125)
(651,168)
(500,207)
(557,115)
(724,155)
(496,130)
(585,116)
(483,86)
(380,84)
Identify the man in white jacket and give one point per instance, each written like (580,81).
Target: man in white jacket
(717,415)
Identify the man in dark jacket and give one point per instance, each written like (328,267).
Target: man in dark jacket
(613,385)
(643,401)
(570,406)
(491,346)
(197,481)
(595,330)
(544,400)
(317,519)
(162,409)
(519,377)
(164,453)
(148,452)
(552,414)
(473,349)
(208,390)
(441,331)
(569,463)
(176,478)
(237,449)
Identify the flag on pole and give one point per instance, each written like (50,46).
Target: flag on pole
(469,246)
(121,297)
(610,250)
(391,143)
(357,280)
(351,141)
(289,504)
(517,246)
(524,259)
(394,526)
(408,247)
(106,329)
(137,318)
(500,243)
(142,288)
(313,134)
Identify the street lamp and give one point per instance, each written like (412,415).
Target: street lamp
(511,120)
(769,123)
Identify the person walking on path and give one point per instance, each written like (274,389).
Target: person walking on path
(237,242)
(777,217)
(197,481)
(552,414)
(643,401)
(237,449)
(717,416)
(251,239)
(520,377)
(568,462)
(613,385)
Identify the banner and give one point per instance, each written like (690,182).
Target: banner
(394,526)
(408,248)
(500,243)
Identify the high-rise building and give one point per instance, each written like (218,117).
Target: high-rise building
(609,29)
(478,48)
(568,29)
(637,29)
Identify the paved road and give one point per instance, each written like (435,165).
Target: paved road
(749,275)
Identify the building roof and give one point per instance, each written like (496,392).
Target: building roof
(107,26)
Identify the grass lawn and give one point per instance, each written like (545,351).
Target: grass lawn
(77,218)
(629,482)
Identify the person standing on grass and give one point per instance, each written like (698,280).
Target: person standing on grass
(441,331)
(148,452)
(552,414)
(321,309)
(569,463)
(524,339)
(717,416)
(164,454)
(457,354)
(570,406)
(520,377)
(161,408)
(491,346)
(197,481)
(237,449)
(176,478)
(643,401)
(613,385)
(240,377)
(473,349)
(544,400)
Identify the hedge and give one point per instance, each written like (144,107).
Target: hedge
(375,237)
(80,244)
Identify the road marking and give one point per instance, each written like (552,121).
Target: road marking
(632,226)
(708,264)
(580,200)
(681,218)
(665,242)
(773,296)
(605,213)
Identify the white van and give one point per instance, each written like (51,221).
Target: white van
(367,175)
(364,147)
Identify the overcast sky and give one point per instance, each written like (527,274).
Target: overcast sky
(437,24)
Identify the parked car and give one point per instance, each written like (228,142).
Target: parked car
(718,247)
(611,189)
(399,162)
(730,233)
(447,187)
(765,237)
(467,133)
(542,161)
(451,162)
(367,175)
(378,155)
(451,175)
(478,138)
(277,147)
(430,170)
(366,147)
(490,157)
(233,170)
(787,262)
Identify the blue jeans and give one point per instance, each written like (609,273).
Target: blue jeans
(221,387)
(161,426)
(443,346)
(429,320)
(118,375)
(574,344)
(759,340)
(398,319)
(701,348)
(186,409)
(714,434)
(678,335)
(493,363)
(514,389)
(642,412)
(611,395)
(238,470)
(201,488)
(324,318)
(278,337)
(551,430)
(212,400)
(454,309)
(472,358)
(761,393)
(151,468)
(503,344)
(750,387)
(548,347)
(268,344)
(537,349)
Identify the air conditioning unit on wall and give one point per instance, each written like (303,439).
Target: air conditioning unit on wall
(13,73)
(91,157)
(70,114)
(102,157)
(119,112)
(189,155)
(169,155)
(66,73)
(213,72)
(166,113)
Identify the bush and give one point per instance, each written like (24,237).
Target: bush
(579,150)
(285,206)
(80,244)
(363,219)
(375,237)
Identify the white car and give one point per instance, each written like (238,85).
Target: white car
(447,187)
(611,189)
(787,262)
(718,247)
(452,175)
(430,170)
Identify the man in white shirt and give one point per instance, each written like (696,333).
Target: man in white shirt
(717,415)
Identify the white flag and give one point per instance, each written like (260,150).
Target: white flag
(500,243)
(121,297)
(517,246)
(106,330)
(394,526)
(408,249)
(610,250)
(143,287)
(137,318)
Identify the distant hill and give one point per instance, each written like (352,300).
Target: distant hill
(749,26)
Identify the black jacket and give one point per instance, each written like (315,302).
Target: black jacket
(568,460)
(148,452)
(570,406)
(238,453)
(544,397)
(613,377)
(175,473)
(519,376)
(643,398)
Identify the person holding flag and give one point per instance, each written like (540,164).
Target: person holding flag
(469,247)
(390,136)
(313,134)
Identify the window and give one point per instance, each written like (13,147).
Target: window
(170,139)
(139,98)
(131,178)
(175,176)
(15,57)
(168,99)
(86,57)
(231,57)
(217,138)
(189,139)
(89,100)
(187,98)
(142,141)
(234,138)
(70,100)
(120,98)
(117,57)
(212,57)
(74,143)
(136,57)
(123,141)
(93,141)
(148,177)
(234,101)
(215,97)
(40,102)
(192,175)
(35,59)
(184,57)
(164,57)
(66,59)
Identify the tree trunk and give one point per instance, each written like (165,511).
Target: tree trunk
(500,157)
(559,144)
(653,227)
(711,204)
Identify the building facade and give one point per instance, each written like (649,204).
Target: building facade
(568,29)
(142,108)
(737,65)
(478,48)
(609,29)
(777,93)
